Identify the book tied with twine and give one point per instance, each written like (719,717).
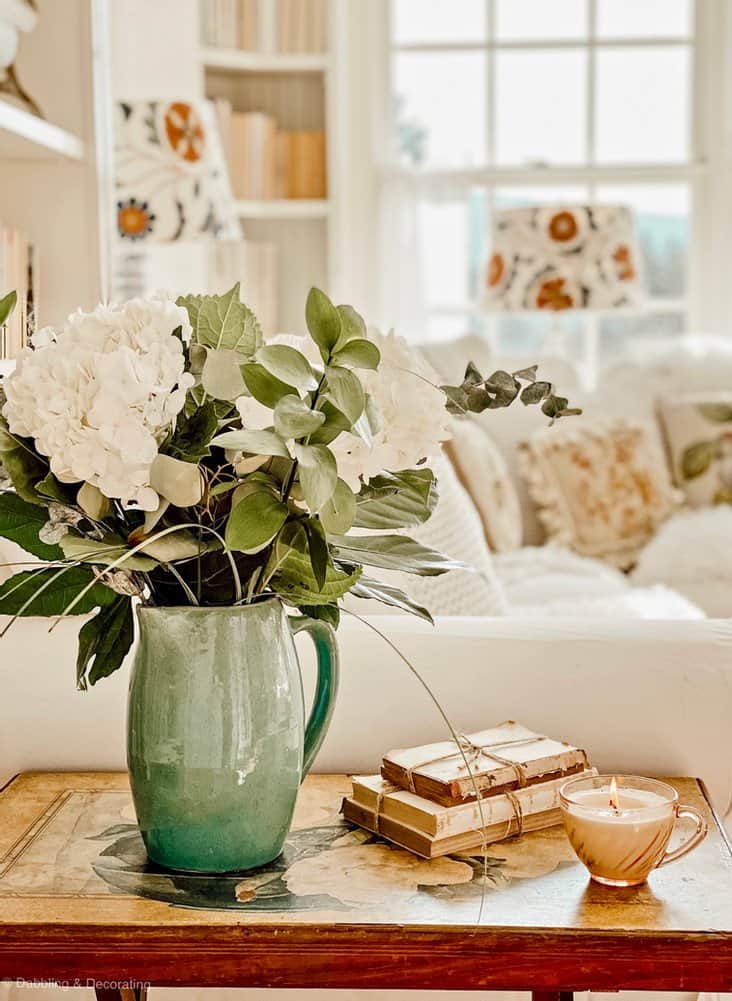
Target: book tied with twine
(490,762)
(461,795)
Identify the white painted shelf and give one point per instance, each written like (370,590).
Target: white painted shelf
(237,60)
(284,208)
(24,136)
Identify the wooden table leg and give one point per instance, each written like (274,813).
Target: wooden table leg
(552,996)
(121,993)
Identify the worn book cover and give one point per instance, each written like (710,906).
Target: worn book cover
(379,796)
(428,847)
(503,758)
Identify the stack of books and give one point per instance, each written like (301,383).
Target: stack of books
(428,801)
(266,162)
(19,272)
(265,25)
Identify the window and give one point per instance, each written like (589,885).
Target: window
(500,103)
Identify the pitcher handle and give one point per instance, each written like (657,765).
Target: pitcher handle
(326,648)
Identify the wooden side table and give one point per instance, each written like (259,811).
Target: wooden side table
(341,909)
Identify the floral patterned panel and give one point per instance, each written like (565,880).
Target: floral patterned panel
(573,257)
(601,489)
(170,173)
(698,432)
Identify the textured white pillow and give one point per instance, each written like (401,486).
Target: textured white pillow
(456,530)
(483,472)
(692,553)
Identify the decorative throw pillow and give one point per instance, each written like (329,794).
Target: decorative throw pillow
(455,529)
(698,430)
(483,472)
(601,489)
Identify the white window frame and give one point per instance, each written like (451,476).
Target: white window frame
(708,299)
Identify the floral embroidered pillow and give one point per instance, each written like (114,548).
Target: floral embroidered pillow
(601,489)
(698,430)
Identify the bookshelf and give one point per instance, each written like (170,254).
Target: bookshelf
(24,136)
(239,61)
(284,208)
(276,77)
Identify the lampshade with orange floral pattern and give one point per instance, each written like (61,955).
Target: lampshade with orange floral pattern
(171,181)
(564,257)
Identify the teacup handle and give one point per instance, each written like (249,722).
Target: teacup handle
(692,841)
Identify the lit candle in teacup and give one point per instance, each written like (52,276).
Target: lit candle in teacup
(620,826)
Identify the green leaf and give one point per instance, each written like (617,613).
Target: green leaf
(221,376)
(255,521)
(554,406)
(76,547)
(345,391)
(295,581)
(337,514)
(718,413)
(323,321)
(293,418)
(60,587)
(179,482)
(388,595)
(697,458)
(393,552)
(327,613)
(369,423)
(318,548)
(289,365)
(7,305)
(24,467)
(21,522)
(397,500)
(456,400)
(222,321)
(359,353)
(318,474)
(50,487)
(352,325)
(253,442)
(335,424)
(104,642)
(535,392)
(265,388)
(181,545)
(193,434)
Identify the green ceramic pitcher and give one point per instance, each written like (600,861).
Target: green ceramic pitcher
(217,742)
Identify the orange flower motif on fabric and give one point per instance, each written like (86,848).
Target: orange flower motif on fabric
(624,260)
(563,227)
(185,131)
(496,269)
(553,295)
(134,219)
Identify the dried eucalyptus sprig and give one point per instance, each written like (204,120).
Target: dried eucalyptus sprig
(476,394)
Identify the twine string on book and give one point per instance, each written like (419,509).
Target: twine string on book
(474,752)
(517,816)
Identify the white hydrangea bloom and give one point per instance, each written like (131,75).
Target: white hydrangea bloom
(411,410)
(99,395)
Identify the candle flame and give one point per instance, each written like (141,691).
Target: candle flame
(614,801)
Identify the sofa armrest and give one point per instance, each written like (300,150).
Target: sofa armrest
(651,697)
(642,696)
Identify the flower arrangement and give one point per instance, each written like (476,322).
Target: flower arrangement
(160,451)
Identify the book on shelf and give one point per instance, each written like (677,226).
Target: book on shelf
(265,162)
(289,26)
(19,272)
(502,758)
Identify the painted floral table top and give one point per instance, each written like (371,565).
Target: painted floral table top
(70,853)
